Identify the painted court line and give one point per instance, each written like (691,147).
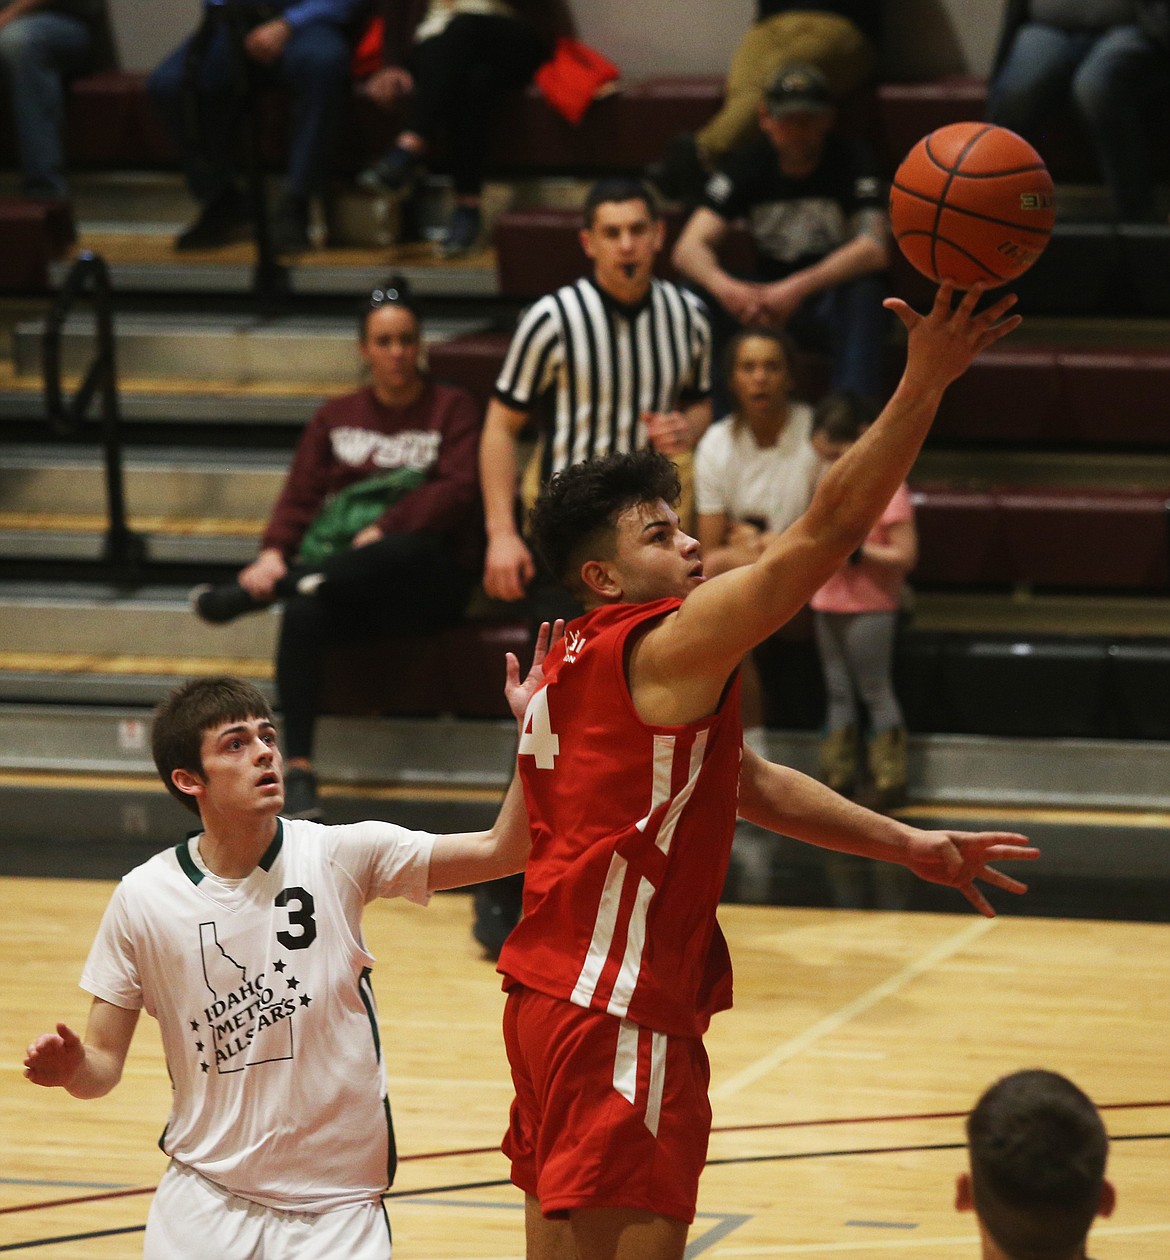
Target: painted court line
(903,1243)
(831,1023)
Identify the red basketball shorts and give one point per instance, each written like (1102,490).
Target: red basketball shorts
(606,1113)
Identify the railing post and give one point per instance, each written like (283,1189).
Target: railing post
(123,551)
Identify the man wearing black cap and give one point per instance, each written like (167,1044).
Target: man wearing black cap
(815,203)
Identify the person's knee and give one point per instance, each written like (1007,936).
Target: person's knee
(317,60)
(165,81)
(18,45)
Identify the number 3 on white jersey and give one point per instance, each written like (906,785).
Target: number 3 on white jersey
(538,738)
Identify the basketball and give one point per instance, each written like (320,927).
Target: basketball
(972,202)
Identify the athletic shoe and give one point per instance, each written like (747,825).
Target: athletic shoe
(217,605)
(290,226)
(221,221)
(300,795)
(392,173)
(462,232)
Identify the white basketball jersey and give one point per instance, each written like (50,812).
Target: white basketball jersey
(262,991)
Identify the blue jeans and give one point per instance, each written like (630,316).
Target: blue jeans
(1111,78)
(314,66)
(36,51)
(851,323)
(848,323)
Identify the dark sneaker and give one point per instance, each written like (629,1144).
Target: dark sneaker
(300,795)
(290,226)
(217,605)
(462,232)
(221,222)
(497,911)
(392,173)
(680,175)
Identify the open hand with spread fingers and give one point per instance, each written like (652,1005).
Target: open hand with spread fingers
(942,343)
(959,858)
(519,693)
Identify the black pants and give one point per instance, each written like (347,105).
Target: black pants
(460,79)
(402,584)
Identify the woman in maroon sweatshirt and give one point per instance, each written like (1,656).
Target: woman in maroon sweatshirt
(411,570)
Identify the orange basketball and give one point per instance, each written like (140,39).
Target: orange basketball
(972,202)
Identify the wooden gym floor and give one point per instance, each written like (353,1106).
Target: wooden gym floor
(857,1041)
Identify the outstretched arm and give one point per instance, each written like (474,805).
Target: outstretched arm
(87,1068)
(726,616)
(790,803)
(472,857)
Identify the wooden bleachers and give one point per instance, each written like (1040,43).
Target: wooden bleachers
(1076,381)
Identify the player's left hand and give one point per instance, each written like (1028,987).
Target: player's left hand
(519,693)
(959,858)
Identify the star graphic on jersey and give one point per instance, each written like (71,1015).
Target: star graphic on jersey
(199,1046)
(203,1066)
(278,965)
(305,999)
(194,1025)
(292,982)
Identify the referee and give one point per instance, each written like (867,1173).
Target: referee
(615,361)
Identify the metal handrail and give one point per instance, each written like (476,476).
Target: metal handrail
(123,550)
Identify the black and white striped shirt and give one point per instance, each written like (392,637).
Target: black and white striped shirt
(602,364)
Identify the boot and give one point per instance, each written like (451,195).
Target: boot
(839,759)
(887,765)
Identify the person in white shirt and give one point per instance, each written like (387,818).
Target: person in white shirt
(755,473)
(245,943)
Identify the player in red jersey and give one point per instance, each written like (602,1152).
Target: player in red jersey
(634,773)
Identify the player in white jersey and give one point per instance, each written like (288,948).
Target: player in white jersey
(245,943)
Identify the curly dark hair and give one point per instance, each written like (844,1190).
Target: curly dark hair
(576,512)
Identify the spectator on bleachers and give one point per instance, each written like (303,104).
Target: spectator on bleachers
(391,471)
(453,62)
(616,361)
(855,616)
(815,204)
(622,359)
(306,47)
(755,473)
(840,39)
(42,43)
(1038,1151)
(1111,60)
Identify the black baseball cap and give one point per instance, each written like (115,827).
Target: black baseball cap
(798,88)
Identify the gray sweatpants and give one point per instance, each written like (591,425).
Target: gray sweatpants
(857,657)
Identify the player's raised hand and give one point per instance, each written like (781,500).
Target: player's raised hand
(519,693)
(943,342)
(54,1058)
(959,858)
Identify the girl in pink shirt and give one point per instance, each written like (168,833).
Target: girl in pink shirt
(855,617)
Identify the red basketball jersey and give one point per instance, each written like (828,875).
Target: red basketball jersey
(631,835)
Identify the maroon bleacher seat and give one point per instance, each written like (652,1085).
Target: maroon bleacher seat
(1011,393)
(472,360)
(1116,397)
(458,671)
(1092,539)
(539,250)
(960,540)
(32,235)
